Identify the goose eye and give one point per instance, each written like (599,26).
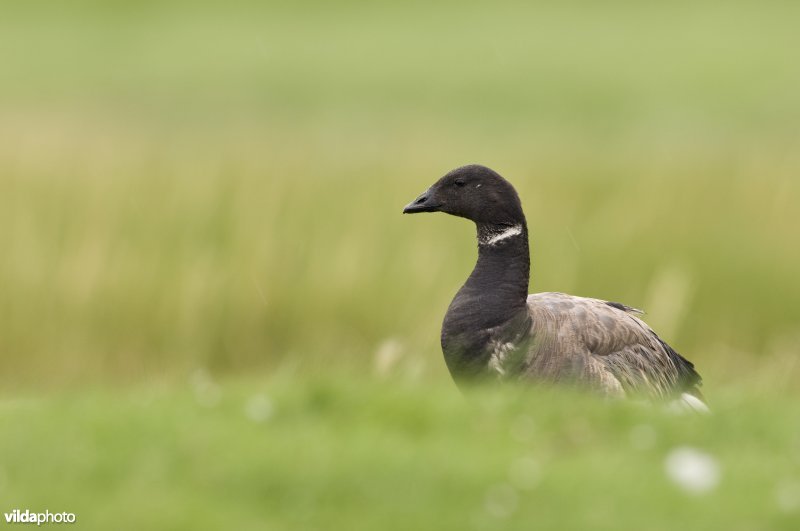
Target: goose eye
(459,182)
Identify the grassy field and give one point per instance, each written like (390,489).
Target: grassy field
(334,455)
(200,217)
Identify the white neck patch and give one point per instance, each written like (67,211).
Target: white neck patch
(494,239)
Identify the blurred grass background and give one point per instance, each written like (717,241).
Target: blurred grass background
(215,188)
(195,184)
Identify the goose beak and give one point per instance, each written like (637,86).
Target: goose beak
(423,203)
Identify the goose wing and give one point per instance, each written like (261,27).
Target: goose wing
(603,345)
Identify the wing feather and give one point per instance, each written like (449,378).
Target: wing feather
(603,345)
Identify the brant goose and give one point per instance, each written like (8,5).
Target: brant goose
(494,327)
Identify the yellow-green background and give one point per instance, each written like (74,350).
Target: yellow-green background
(211,192)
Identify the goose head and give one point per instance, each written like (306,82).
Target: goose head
(474,192)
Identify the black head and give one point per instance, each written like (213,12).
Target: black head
(474,192)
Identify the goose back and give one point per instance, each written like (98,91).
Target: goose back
(603,345)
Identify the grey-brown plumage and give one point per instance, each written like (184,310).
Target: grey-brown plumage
(494,327)
(607,346)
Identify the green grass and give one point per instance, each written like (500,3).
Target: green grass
(216,187)
(339,454)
